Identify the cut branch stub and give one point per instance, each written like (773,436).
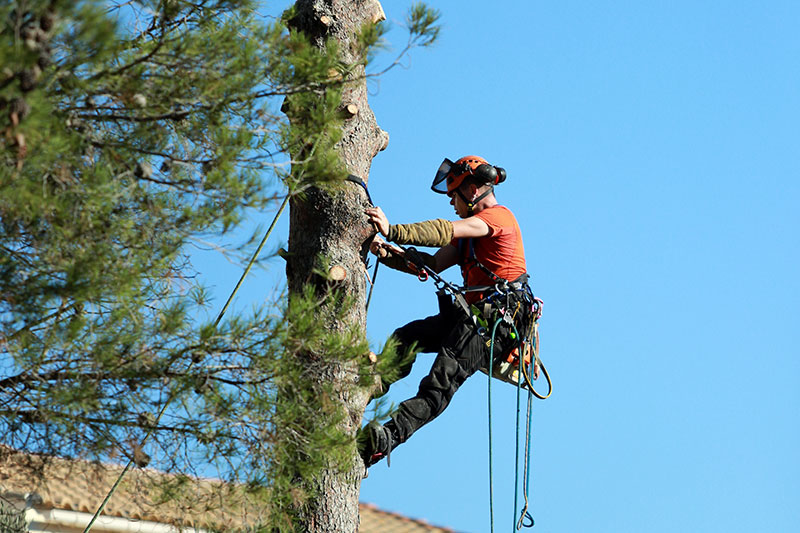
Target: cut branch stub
(350,110)
(337,273)
(384,140)
(334,75)
(377,13)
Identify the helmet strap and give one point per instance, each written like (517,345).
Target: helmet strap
(471,204)
(466,202)
(486,193)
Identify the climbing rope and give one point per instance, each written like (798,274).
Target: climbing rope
(519,523)
(490,363)
(524,514)
(191,363)
(525,519)
(253,259)
(372,285)
(524,379)
(534,336)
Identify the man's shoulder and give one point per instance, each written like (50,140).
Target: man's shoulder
(498,214)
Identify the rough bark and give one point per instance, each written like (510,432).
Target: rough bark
(332,224)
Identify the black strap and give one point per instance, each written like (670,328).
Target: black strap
(486,193)
(517,285)
(358,181)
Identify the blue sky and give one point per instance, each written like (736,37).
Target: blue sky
(652,158)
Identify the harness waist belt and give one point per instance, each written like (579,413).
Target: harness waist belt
(516,285)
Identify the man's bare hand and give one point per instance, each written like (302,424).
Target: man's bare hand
(378,219)
(382,248)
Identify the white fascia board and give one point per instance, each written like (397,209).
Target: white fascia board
(103,524)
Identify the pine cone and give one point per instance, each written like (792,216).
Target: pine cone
(27,80)
(47,21)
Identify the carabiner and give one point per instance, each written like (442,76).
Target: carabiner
(422,275)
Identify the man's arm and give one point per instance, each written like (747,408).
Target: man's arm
(393,256)
(389,255)
(469,227)
(445,257)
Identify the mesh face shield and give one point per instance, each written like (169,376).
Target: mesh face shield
(440,180)
(451,175)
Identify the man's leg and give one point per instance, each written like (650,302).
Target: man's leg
(420,336)
(461,356)
(463,352)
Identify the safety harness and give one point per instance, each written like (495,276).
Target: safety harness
(502,301)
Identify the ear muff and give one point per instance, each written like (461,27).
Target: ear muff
(501,175)
(486,174)
(491,175)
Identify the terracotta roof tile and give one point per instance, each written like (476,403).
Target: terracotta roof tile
(376,520)
(77,485)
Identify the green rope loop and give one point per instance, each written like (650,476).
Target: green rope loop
(489,368)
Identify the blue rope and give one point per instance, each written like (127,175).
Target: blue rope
(525,514)
(489,402)
(528,451)
(516,443)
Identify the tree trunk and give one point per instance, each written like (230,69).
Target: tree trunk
(332,225)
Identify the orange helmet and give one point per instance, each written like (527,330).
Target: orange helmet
(451,175)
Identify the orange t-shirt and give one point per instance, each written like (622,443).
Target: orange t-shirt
(501,251)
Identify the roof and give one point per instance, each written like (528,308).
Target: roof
(48,482)
(374,520)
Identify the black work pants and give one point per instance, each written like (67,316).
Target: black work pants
(460,351)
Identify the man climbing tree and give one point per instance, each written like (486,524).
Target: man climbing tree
(487,244)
